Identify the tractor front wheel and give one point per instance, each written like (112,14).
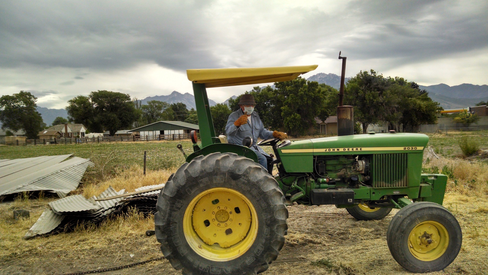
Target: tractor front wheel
(221,214)
(363,212)
(424,237)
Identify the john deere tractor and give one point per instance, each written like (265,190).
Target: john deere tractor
(223,213)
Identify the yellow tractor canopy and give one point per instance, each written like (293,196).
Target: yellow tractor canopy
(244,76)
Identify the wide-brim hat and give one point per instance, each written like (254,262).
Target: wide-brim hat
(247,99)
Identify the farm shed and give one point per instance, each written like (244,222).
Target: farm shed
(166,130)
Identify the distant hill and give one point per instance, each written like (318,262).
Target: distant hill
(459,91)
(176,97)
(460,96)
(332,80)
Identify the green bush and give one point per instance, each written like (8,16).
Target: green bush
(468,146)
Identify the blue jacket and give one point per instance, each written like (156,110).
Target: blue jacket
(235,135)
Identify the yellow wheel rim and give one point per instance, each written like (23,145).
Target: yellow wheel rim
(428,241)
(366,208)
(220,224)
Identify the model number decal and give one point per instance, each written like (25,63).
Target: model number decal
(410,148)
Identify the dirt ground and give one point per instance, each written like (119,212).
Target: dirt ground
(320,240)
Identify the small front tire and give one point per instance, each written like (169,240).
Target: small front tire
(424,237)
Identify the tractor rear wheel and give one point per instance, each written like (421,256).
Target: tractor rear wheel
(363,212)
(221,214)
(424,237)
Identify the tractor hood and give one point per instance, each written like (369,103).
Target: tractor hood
(298,156)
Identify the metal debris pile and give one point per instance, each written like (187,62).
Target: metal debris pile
(65,214)
(58,174)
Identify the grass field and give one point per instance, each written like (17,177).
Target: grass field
(348,247)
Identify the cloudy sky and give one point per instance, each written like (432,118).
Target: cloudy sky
(61,49)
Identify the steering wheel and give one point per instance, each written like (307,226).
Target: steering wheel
(268,142)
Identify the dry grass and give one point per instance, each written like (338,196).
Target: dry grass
(128,179)
(465,177)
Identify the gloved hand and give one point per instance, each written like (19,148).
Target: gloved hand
(280,135)
(241,120)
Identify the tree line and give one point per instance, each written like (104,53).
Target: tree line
(290,106)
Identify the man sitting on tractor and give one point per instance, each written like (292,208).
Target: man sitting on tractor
(245,122)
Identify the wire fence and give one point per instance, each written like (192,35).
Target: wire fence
(22,141)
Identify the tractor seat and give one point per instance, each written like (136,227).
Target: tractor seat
(223,139)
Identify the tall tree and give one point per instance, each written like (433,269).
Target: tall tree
(192,116)
(18,111)
(103,110)
(81,110)
(300,101)
(393,100)
(418,108)
(220,113)
(180,111)
(367,92)
(154,111)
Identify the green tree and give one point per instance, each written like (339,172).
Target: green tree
(393,100)
(220,114)
(59,120)
(180,111)
(18,111)
(300,102)
(82,110)
(103,110)
(418,109)
(153,111)
(367,92)
(466,118)
(481,103)
(192,116)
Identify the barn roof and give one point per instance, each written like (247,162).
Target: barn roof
(166,125)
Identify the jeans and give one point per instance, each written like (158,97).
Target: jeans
(261,158)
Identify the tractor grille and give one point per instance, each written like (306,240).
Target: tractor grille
(390,170)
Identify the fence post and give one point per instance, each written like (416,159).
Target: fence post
(17,142)
(144,163)
(35,141)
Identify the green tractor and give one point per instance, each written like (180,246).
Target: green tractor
(222,213)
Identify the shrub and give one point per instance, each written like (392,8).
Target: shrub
(468,146)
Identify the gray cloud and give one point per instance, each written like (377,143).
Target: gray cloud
(43,43)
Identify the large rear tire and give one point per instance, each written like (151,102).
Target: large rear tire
(424,237)
(363,212)
(221,214)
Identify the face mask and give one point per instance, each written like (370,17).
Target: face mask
(248,110)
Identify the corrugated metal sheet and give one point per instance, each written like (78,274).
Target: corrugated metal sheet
(45,224)
(42,173)
(151,187)
(108,205)
(67,212)
(76,203)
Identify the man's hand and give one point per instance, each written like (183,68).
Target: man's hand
(241,120)
(280,135)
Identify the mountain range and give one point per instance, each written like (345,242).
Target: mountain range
(449,97)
